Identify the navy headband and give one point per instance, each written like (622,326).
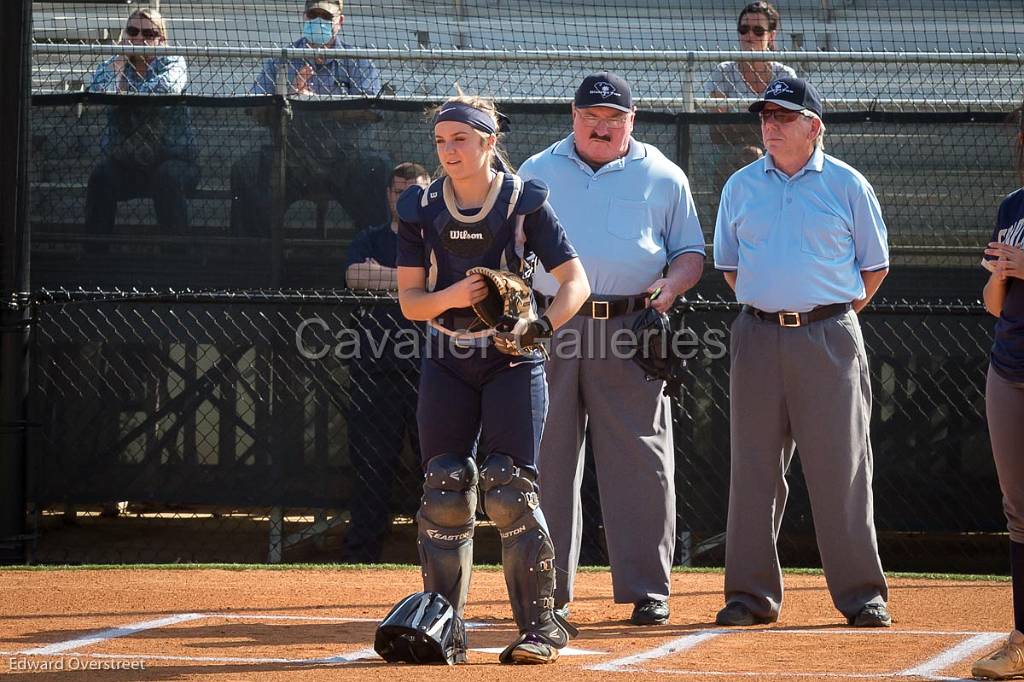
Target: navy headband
(471,116)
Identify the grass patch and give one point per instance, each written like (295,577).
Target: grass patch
(961,577)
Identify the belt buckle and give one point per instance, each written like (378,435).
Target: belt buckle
(789,319)
(600,316)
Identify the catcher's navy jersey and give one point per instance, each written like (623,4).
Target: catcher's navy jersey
(435,234)
(1008,345)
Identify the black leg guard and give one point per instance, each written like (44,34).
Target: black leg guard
(446,520)
(527,553)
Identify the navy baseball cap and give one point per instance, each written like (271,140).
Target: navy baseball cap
(604,89)
(794,94)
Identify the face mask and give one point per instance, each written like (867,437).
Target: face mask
(318,31)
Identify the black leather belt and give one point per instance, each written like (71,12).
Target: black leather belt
(787,319)
(604,309)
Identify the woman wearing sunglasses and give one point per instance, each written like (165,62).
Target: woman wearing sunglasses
(757,26)
(150,151)
(142,73)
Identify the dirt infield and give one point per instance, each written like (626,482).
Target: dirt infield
(312,624)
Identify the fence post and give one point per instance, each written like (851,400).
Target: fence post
(683,131)
(278,172)
(15,80)
(683,144)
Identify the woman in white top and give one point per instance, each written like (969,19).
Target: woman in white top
(757,26)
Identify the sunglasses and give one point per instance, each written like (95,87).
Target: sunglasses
(147,33)
(780,115)
(591,121)
(759,31)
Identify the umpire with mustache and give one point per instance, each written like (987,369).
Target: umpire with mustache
(800,238)
(630,212)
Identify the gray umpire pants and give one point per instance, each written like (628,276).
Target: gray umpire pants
(1004,407)
(809,387)
(631,426)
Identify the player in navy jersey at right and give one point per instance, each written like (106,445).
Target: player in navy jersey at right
(473,398)
(1004,402)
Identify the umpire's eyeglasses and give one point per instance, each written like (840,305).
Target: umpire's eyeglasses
(780,115)
(591,121)
(147,33)
(759,31)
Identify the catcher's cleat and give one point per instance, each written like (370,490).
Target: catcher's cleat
(530,649)
(1004,663)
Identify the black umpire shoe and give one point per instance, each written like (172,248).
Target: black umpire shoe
(871,616)
(738,614)
(649,612)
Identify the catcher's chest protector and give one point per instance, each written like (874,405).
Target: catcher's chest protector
(455,242)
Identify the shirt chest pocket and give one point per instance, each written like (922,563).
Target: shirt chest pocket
(825,235)
(628,219)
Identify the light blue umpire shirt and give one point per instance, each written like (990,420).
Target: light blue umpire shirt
(627,220)
(799,242)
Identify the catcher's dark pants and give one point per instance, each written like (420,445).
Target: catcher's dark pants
(480,395)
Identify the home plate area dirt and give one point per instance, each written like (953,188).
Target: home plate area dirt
(311,624)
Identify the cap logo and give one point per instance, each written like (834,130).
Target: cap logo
(778,88)
(605,90)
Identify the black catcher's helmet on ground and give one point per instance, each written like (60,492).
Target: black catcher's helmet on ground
(422,628)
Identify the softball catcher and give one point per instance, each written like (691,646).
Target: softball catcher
(482,390)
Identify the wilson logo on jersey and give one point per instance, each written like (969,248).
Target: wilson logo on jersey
(465,234)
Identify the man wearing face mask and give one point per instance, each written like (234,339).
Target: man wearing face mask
(631,213)
(324,154)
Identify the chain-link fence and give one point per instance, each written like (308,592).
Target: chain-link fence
(242,427)
(218,148)
(312,176)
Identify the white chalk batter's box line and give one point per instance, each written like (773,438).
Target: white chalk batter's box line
(70,647)
(972,643)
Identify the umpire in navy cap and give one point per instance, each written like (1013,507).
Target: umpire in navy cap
(800,238)
(629,211)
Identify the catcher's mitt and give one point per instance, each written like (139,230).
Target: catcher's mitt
(508,310)
(655,352)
